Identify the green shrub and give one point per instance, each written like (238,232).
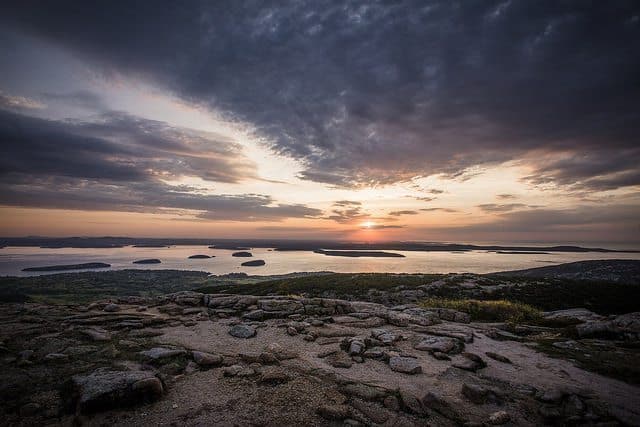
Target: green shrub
(490,310)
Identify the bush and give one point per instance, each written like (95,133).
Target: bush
(490,310)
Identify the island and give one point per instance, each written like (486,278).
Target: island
(230,247)
(357,254)
(521,252)
(148,261)
(253,263)
(242,254)
(201,256)
(87,265)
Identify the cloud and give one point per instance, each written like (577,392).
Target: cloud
(381,227)
(400,213)
(346,203)
(438,209)
(506,196)
(119,162)
(345,212)
(116,147)
(148,197)
(369,93)
(578,218)
(494,207)
(80,98)
(19,103)
(599,170)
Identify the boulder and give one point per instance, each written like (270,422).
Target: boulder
(573,315)
(96,334)
(274,376)
(439,344)
(105,389)
(406,365)
(470,362)
(242,331)
(499,418)
(111,308)
(206,359)
(334,412)
(159,353)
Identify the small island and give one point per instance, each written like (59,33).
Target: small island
(253,263)
(199,256)
(230,247)
(356,254)
(88,265)
(148,261)
(521,252)
(242,254)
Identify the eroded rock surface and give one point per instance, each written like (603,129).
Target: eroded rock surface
(222,359)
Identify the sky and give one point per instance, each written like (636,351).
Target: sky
(465,121)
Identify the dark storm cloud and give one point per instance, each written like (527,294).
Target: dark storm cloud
(584,217)
(591,171)
(150,197)
(117,147)
(80,98)
(374,92)
(117,162)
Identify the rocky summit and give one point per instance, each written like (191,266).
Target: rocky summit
(191,358)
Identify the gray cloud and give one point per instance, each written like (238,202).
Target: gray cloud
(400,213)
(579,218)
(438,209)
(425,199)
(116,147)
(147,196)
(118,162)
(506,207)
(506,196)
(345,211)
(369,93)
(80,98)
(19,103)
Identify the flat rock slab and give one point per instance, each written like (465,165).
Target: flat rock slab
(440,344)
(104,389)
(406,365)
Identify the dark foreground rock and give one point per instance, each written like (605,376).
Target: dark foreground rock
(104,389)
(231,359)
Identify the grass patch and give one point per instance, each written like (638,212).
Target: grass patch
(80,288)
(490,310)
(334,284)
(615,361)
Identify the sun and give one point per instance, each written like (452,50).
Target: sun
(368,224)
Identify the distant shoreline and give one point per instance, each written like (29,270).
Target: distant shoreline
(285,245)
